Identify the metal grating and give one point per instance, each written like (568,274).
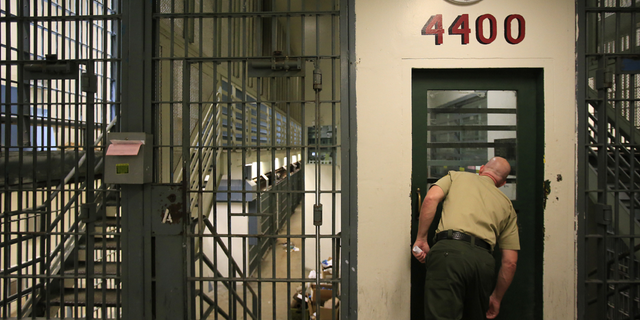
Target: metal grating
(59,64)
(609,109)
(247,108)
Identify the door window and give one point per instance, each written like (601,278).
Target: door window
(466,128)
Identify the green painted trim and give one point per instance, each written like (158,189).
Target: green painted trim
(524,298)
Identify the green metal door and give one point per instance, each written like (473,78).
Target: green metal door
(462,118)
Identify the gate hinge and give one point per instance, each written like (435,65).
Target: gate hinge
(603,213)
(88,212)
(89,82)
(604,78)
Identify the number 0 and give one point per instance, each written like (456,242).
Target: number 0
(508,33)
(480,29)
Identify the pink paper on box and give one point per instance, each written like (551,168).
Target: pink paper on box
(124,148)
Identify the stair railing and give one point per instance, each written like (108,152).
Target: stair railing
(229,284)
(65,247)
(202,162)
(203,157)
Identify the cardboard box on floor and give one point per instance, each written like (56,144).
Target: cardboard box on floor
(327,305)
(296,307)
(325,310)
(327,273)
(326,292)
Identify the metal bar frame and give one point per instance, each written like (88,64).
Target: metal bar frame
(58,211)
(347,100)
(607,164)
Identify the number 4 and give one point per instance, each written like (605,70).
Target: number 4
(461,26)
(434,26)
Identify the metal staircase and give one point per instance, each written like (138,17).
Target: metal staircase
(85,249)
(616,214)
(78,254)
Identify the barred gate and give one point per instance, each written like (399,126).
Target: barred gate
(609,176)
(266,200)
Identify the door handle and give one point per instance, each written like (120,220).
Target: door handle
(419,201)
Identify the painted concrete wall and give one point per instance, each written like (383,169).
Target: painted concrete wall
(239,251)
(388,45)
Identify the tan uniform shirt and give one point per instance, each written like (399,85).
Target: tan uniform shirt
(474,205)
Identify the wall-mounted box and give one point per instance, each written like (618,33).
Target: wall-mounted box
(129,158)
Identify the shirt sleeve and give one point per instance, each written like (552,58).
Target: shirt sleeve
(510,238)
(445,183)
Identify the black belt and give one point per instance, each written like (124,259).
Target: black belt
(456,235)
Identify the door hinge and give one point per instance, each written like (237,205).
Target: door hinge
(603,213)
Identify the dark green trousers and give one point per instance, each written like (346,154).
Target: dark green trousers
(460,279)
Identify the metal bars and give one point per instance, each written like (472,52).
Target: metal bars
(60,222)
(608,159)
(233,123)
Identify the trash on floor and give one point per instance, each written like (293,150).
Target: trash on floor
(290,247)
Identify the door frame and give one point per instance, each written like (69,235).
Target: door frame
(530,114)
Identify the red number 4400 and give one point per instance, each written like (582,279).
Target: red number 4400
(460,26)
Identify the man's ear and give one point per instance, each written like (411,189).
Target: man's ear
(481,169)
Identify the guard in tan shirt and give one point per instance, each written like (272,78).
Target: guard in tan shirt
(460,268)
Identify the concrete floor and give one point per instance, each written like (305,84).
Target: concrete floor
(275,296)
(288,264)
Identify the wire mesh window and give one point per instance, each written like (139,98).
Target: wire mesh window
(243,90)
(59,221)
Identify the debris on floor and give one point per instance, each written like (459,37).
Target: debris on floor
(290,246)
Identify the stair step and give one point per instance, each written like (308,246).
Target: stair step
(99,244)
(79,297)
(109,225)
(110,268)
(109,222)
(110,272)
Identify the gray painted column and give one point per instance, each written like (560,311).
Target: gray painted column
(136,117)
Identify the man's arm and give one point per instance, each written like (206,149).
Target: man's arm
(427,212)
(505,275)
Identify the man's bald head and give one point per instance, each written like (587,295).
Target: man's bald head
(499,169)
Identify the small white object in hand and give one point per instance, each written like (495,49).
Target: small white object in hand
(417,249)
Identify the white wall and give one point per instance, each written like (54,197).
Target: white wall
(239,252)
(388,45)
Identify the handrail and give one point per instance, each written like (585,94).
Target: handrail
(213,305)
(195,134)
(203,158)
(206,134)
(211,266)
(236,267)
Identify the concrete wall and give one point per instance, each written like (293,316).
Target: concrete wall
(240,225)
(388,45)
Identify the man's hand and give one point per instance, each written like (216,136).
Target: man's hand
(427,212)
(425,249)
(494,307)
(505,275)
